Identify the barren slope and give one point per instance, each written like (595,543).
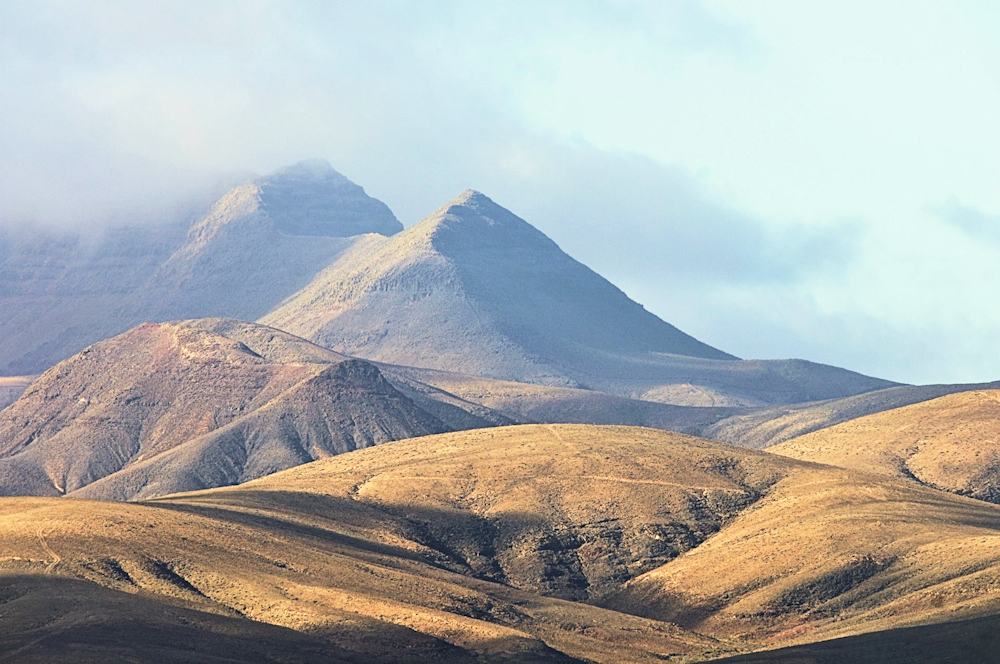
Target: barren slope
(258,244)
(763,427)
(262,242)
(171,407)
(460,544)
(528,402)
(973,641)
(951,443)
(474,289)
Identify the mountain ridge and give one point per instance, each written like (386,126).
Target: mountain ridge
(238,255)
(475,289)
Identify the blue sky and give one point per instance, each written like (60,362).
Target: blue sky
(780,179)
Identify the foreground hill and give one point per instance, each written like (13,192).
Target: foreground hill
(179,406)
(258,244)
(474,289)
(951,443)
(972,641)
(531,543)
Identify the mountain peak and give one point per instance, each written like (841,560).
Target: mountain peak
(467,197)
(472,219)
(311,198)
(309,170)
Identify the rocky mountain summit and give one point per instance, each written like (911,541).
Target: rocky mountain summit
(259,243)
(475,289)
(310,198)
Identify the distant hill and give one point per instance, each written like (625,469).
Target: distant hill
(258,244)
(476,290)
(530,402)
(173,407)
(950,443)
(514,544)
(762,427)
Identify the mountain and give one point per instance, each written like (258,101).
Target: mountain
(530,543)
(60,291)
(476,290)
(259,243)
(950,443)
(178,406)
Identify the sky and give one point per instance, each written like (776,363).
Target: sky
(778,179)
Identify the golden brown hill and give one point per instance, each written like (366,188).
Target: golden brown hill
(171,407)
(827,553)
(951,443)
(762,427)
(963,641)
(468,545)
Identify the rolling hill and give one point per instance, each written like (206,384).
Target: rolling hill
(762,427)
(474,289)
(528,543)
(178,406)
(950,443)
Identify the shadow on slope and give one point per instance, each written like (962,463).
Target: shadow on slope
(50,619)
(960,642)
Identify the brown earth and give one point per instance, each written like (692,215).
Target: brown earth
(950,443)
(498,543)
(973,641)
(762,427)
(177,406)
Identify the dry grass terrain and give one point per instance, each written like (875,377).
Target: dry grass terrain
(763,427)
(504,544)
(963,641)
(951,443)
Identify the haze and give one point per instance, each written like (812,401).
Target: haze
(776,179)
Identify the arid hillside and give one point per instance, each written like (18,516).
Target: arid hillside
(528,543)
(530,402)
(762,427)
(474,289)
(950,443)
(170,407)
